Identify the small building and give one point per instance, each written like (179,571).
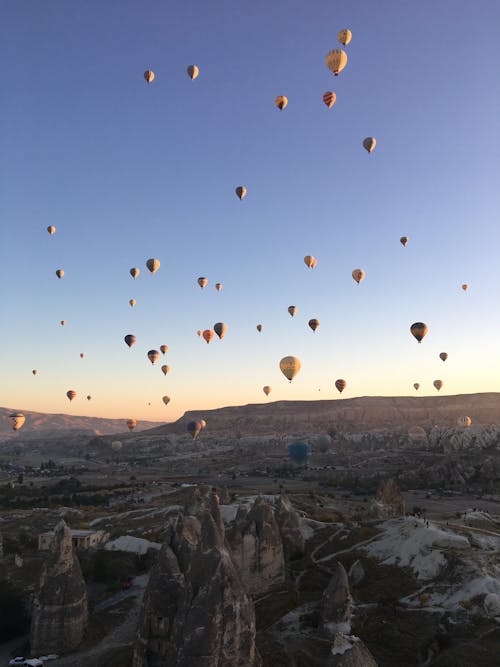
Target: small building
(81,539)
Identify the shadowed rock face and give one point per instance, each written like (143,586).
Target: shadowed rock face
(389,502)
(59,610)
(349,651)
(289,527)
(256,547)
(196,611)
(336,604)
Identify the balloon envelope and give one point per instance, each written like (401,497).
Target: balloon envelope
(419,330)
(51,229)
(340,385)
(336,60)
(314,324)
(218,286)
(163,348)
(153,264)
(292,310)
(465,287)
(438,384)
(165,369)
(358,275)
(59,273)
(194,428)
(166,399)
(290,366)
(260,327)
(241,191)
(404,241)
(443,356)
(149,75)
(89,397)
(132,302)
(369,144)
(134,272)
(281,102)
(153,356)
(464,422)
(71,394)
(208,334)
(416,386)
(310,261)
(131,424)
(329,99)
(220,329)
(17,420)
(267,390)
(202,282)
(34,371)
(344,36)
(299,452)
(193,71)
(63,322)
(130,339)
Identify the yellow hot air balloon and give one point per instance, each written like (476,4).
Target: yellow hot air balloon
(132,302)
(166,399)
(464,422)
(34,371)
(404,241)
(329,98)
(202,282)
(220,329)
(51,229)
(369,144)
(290,366)
(260,327)
(59,273)
(438,384)
(267,390)
(218,286)
(17,420)
(416,386)
(149,75)
(241,192)
(310,261)
(465,287)
(443,356)
(336,60)
(208,335)
(134,272)
(71,394)
(131,424)
(292,310)
(165,369)
(116,445)
(419,330)
(344,36)
(358,275)
(153,264)
(281,102)
(314,324)
(193,72)
(153,356)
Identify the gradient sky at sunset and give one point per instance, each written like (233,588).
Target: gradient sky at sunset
(127,171)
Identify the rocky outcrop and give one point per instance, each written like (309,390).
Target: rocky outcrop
(389,502)
(59,614)
(349,651)
(196,610)
(335,608)
(256,547)
(289,527)
(356,573)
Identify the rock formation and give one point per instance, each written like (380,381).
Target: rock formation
(289,527)
(335,608)
(356,573)
(256,547)
(196,610)
(389,502)
(59,614)
(349,651)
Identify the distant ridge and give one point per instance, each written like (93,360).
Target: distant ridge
(354,414)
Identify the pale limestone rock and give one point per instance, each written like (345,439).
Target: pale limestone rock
(349,651)
(289,527)
(335,608)
(356,573)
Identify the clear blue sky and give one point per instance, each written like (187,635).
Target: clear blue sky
(127,171)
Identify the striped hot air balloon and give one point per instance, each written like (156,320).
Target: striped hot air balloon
(329,99)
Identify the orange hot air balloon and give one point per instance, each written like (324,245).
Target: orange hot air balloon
(358,275)
(132,302)
(336,60)
(416,386)
(220,329)
(153,264)
(443,356)
(134,272)
(63,322)
(419,330)
(131,424)
(369,144)
(202,282)
(130,339)
(199,332)
(153,356)
(241,192)
(314,324)
(260,327)
(163,348)
(218,286)
(208,335)
(281,102)
(149,75)
(165,369)
(465,287)
(59,273)
(404,241)
(329,99)
(193,72)
(51,229)
(267,390)
(71,394)
(292,310)
(438,384)
(340,385)
(310,261)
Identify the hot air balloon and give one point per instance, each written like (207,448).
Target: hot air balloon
(260,327)
(220,329)
(344,36)
(51,229)
(153,264)
(165,369)
(193,72)
(63,323)
(132,302)
(130,339)
(314,324)
(71,394)
(134,272)
(59,273)
(416,386)
(82,355)
(404,241)
(419,330)
(443,356)
(203,424)
(464,422)
(149,75)
(329,99)
(465,287)
(290,366)
(202,282)
(166,399)
(89,397)
(131,424)
(153,356)
(369,144)
(116,445)
(324,442)
(163,348)
(199,332)
(336,60)
(417,434)
(281,102)
(358,275)
(34,371)
(340,385)
(299,452)
(194,428)
(208,334)
(17,419)
(241,192)
(267,390)
(218,286)
(292,310)
(310,261)
(438,384)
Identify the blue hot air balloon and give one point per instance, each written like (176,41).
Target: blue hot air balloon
(299,452)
